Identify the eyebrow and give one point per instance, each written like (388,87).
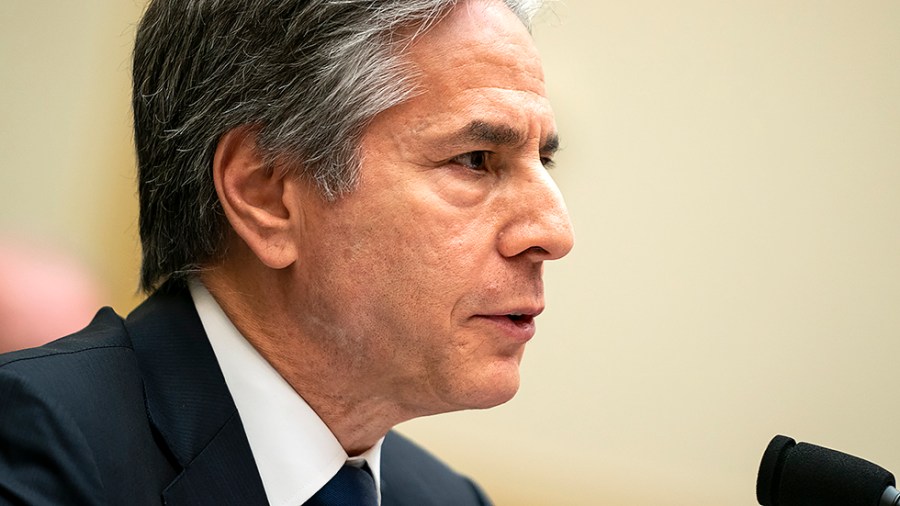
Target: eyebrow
(502,135)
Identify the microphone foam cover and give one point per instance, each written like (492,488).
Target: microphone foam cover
(803,474)
(768,482)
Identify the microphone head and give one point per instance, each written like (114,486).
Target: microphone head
(792,474)
(768,481)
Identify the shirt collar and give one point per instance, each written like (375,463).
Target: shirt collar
(295,452)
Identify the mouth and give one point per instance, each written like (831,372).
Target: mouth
(520,318)
(517,325)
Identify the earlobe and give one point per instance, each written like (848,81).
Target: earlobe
(255,198)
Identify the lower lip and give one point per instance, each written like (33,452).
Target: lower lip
(521,330)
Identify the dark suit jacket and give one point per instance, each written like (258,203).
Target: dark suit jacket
(136,411)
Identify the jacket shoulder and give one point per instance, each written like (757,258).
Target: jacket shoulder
(410,475)
(78,370)
(71,414)
(106,330)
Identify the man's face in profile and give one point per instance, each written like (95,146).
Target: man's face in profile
(430,270)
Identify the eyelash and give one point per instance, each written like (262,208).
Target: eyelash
(483,156)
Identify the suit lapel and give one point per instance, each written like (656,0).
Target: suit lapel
(221,475)
(189,404)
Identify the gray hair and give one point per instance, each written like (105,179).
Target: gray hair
(306,75)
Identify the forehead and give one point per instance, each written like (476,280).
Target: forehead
(481,59)
(477,33)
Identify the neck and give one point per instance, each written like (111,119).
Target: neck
(333,378)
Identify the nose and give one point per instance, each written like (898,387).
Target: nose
(538,225)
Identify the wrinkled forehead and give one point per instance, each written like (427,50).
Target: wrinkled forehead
(478,82)
(479,43)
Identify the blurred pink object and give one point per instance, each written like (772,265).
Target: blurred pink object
(44,295)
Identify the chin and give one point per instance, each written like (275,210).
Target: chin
(493,387)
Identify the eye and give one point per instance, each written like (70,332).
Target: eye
(473,160)
(547,162)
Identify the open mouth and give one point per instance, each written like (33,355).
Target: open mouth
(520,319)
(516,326)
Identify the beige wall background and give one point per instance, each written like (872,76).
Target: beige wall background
(733,172)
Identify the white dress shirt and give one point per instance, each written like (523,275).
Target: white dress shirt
(295,452)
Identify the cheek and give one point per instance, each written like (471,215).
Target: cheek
(419,258)
(461,189)
(442,254)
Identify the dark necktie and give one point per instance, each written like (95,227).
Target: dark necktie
(351,486)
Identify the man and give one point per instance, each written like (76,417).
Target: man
(345,210)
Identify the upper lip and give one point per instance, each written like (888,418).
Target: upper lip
(531,311)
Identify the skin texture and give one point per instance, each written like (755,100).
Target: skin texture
(390,303)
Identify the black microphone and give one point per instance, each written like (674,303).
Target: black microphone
(803,474)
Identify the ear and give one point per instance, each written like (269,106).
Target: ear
(255,198)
